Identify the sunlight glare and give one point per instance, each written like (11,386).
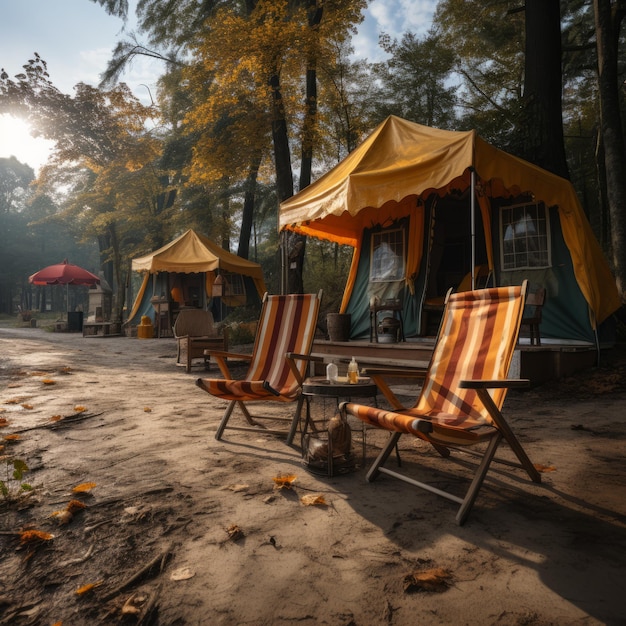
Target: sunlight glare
(16,140)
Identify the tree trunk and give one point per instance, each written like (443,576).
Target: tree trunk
(607,35)
(284,176)
(247,218)
(296,244)
(542,120)
(118,286)
(280,139)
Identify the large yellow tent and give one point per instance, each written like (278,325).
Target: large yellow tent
(402,163)
(192,253)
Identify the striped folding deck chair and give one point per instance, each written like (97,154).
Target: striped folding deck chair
(278,362)
(463,391)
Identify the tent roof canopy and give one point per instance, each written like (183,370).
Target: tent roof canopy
(401,161)
(191,253)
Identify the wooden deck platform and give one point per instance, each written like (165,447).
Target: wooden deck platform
(549,361)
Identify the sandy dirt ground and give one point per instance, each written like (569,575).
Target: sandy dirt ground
(179,528)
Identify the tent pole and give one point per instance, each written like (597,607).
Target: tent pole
(283,262)
(473,224)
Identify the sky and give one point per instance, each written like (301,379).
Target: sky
(76,39)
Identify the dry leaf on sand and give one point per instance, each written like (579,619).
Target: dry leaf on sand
(544,468)
(434,580)
(312,499)
(284,481)
(235,533)
(182,573)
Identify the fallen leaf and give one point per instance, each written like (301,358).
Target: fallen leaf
(88,587)
(27,406)
(63,517)
(3,422)
(182,573)
(80,409)
(284,481)
(83,487)
(49,381)
(56,418)
(75,505)
(34,536)
(238,488)
(544,468)
(11,437)
(235,533)
(433,580)
(147,409)
(313,499)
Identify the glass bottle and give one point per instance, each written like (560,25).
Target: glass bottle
(353,372)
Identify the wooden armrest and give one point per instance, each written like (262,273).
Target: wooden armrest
(292,357)
(228,355)
(396,372)
(510,383)
(306,357)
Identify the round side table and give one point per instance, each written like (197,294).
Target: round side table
(320,387)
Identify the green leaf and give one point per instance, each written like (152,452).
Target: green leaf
(20,467)
(4,489)
(26,487)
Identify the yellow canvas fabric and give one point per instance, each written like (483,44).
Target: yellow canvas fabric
(193,253)
(401,162)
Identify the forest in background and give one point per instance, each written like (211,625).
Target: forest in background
(259,98)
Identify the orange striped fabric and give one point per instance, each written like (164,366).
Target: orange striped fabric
(476,342)
(287,324)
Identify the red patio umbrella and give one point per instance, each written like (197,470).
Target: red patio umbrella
(64,274)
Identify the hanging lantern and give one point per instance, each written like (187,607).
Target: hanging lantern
(219,287)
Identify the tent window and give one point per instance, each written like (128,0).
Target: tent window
(387,258)
(234,284)
(524,237)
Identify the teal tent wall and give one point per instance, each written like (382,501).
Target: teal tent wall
(565,313)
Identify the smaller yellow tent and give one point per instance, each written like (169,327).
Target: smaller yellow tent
(192,253)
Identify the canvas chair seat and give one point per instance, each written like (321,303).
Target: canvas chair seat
(249,390)
(278,363)
(463,391)
(442,426)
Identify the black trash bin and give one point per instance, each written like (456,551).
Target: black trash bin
(75,321)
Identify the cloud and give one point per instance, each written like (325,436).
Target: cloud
(394,18)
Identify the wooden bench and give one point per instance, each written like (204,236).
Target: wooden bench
(102,329)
